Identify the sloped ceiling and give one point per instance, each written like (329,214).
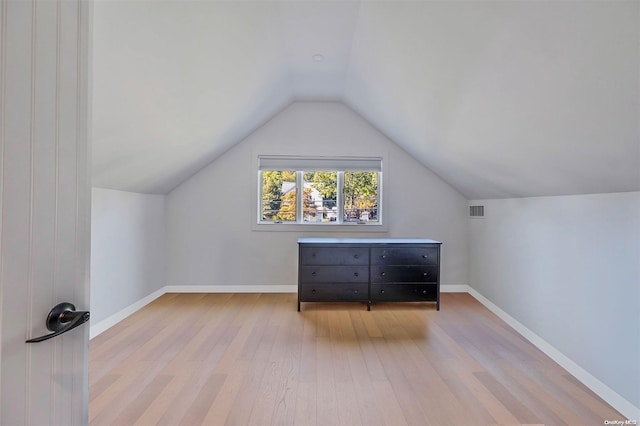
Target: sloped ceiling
(501,99)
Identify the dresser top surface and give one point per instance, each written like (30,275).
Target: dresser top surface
(317,240)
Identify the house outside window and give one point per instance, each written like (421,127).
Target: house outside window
(319,190)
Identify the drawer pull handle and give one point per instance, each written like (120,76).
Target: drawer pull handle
(424,291)
(383,274)
(384,256)
(313,274)
(313,291)
(356,256)
(381,291)
(355,291)
(425,256)
(425,274)
(355,274)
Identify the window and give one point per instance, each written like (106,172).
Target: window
(320,198)
(320,190)
(278,196)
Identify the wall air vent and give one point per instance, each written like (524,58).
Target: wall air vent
(476,211)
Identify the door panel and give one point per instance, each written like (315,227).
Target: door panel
(44,208)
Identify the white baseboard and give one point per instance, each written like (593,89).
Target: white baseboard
(454,288)
(109,322)
(444,288)
(231,289)
(625,407)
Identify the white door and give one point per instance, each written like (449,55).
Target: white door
(44,208)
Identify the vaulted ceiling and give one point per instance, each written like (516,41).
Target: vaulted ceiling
(499,98)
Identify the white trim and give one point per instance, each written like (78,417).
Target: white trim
(321,227)
(302,164)
(231,289)
(454,288)
(109,322)
(625,407)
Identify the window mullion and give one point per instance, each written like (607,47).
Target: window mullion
(340,197)
(260,211)
(299,196)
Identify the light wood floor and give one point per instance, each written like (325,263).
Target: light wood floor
(251,359)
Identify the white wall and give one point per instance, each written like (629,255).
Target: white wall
(127,249)
(568,268)
(210,240)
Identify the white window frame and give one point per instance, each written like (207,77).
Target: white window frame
(302,164)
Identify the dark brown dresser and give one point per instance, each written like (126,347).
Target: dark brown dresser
(368,270)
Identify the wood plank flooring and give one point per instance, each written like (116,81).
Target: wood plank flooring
(251,359)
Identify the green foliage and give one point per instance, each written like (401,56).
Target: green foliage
(275,205)
(287,211)
(326,183)
(360,190)
(360,193)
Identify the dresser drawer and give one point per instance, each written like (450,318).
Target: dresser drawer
(404,256)
(404,292)
(334,292)
(334,256)
(334,274)
(400,274)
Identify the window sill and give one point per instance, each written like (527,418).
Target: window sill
(319,227)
